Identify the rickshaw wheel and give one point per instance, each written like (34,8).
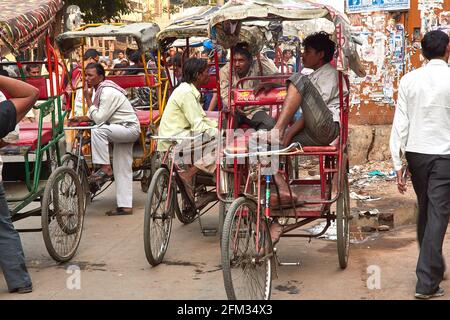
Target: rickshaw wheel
(225,206)
(247,271)
(158,220)
(71,161)
(62,214)
(148,173)
(343,218)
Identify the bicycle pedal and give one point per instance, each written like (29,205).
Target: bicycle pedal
(209,232)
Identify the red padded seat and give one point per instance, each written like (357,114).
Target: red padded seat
(35,126)
(29,138)
(319,149)
(240,145)
(144,116)
(132,81)
(245,97)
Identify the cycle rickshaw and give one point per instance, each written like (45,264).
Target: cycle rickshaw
(151,78)
(157,224)
(248,256)
(44,188)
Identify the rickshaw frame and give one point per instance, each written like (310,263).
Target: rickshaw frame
(331,158)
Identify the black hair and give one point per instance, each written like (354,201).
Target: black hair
(91,53)
(120,51)
(136,56)
(270,54)
(320,41)
(98,67)
(243,49)
(434,44)
(176,60)
(120,66)
(192,67)
(288,50)
(28,67)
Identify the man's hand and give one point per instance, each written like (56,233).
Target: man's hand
(265,87)
(88,94)
(75,121)
(287,138)
(401,180)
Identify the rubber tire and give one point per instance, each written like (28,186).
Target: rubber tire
(147,174)
(83,174)
(45,213)
(343,219)
(228,282)
(156,258)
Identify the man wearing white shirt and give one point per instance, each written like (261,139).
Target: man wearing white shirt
(421,131)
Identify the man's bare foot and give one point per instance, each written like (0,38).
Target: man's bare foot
(107,169)
(286,197)
(276,230)
(186,178)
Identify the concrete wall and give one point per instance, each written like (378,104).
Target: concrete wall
(369,143)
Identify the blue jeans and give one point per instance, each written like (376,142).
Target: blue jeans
(12,258)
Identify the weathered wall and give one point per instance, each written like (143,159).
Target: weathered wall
(391,47)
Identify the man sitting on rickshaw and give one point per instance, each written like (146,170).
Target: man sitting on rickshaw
(317,97)
(111,107)
(245,66)
(184,116)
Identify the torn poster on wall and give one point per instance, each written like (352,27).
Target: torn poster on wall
(383,54)
(429,19)
(357,6)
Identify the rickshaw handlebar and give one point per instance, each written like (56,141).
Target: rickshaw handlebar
(173,139)
(85,127)
(284,151)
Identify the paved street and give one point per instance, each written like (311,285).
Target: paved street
(113,264)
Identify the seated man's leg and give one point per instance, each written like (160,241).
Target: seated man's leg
(123,174)
(263,121)
(123,139)
(319,123)
(202,156)
(100,148)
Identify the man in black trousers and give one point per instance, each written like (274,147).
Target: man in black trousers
(421,131)
(12,260)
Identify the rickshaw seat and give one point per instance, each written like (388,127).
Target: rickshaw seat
(243,97)
(131,81)
(240,145)
(35,126)
(212,83)
(41,85)
(29,138)
(144,116)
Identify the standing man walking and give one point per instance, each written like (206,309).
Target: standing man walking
(12,259)
(421,131)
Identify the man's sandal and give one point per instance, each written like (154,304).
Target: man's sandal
(119,212)
(100,176)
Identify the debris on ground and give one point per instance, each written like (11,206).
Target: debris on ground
(356,196)
(373,212)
